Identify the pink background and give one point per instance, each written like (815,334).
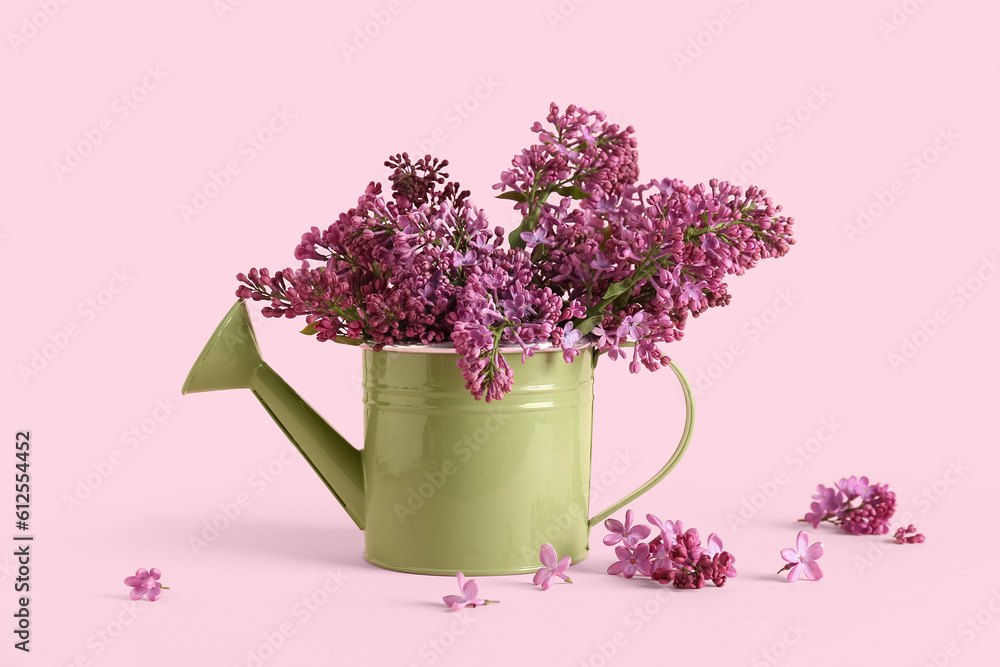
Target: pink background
(833,110)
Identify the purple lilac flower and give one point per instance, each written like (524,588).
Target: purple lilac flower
(600,262)
(627,534)
(668,529)
(537,237)
(631,562)
(802,559)
(517,307)
(659,554)
(145,583)
(852,487)
(570,338)
(827,504)
(468,259)
(608,343)
(694,293)
(631,327)
(552,567)
(469,597)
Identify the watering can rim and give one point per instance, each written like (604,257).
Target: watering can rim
(449,348)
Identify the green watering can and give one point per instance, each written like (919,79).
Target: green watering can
(445,483)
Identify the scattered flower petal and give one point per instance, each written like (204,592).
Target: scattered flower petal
(145,583)
(551,568)
(802,559)
(468,598)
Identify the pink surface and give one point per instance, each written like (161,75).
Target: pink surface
(870,349)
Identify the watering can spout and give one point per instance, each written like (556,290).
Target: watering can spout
(232,360)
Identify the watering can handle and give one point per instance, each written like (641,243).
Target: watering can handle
(670,464)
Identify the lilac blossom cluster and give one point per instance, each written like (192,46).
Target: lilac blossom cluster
(675,556)
(596,253)
(638,257)
(854,505)
(422,266)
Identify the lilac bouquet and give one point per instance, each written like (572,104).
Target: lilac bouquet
(596,253)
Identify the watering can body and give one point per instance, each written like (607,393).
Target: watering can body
(444,483)
(456,484)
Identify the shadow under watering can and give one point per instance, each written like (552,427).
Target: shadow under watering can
(445,483)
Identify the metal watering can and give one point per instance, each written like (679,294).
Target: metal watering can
(445,483)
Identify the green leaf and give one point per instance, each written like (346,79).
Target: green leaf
(616,289)
(514,238)
(573,191)
(539,253)
(587,325)
(513,196)
(309,330)
(347,341)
